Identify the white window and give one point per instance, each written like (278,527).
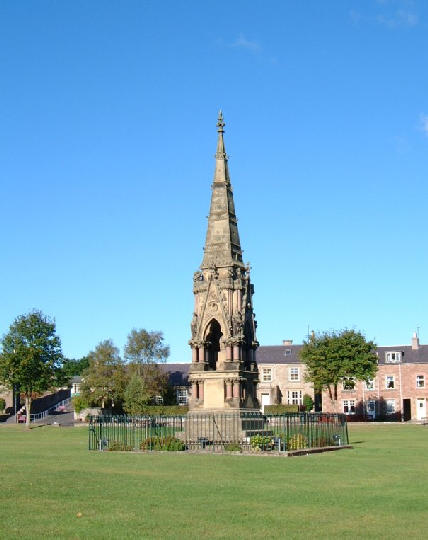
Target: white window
(267,374)
(389,382)
(390,406)
(349,406)
(349,383)
(182,396)
(287,352)
(393,357)
(293,374)
(158,400)
(370,384)
(420,381)
(294,397)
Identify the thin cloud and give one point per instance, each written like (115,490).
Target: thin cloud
(400,17)
(243,43)
(424,123)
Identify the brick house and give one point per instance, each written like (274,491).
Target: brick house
(399,390)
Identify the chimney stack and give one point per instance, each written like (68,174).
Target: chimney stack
(286,342)
(415,341)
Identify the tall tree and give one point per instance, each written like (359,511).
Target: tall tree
(144,351)
(31,356)
(333,357)
(72,367)
(105,379)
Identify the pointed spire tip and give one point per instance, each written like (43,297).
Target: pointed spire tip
(220,122)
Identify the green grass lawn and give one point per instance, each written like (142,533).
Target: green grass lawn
(377,490)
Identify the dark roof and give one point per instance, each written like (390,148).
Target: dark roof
(278,354)
(289,354)
(408,355)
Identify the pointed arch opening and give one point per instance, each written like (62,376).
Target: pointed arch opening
(213,335)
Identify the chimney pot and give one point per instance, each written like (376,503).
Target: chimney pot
(287,342)
(415,341)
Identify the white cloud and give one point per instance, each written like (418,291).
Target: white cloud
(424,123)
(243,43)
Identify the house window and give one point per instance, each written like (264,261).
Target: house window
(267,374)
(370,384)
(158,400)
(349,383)
(349,406)
(390,382)
(393,357)
(287,352)
(182,396)
(390,406)
(420,381)
(293,374)
(294,397)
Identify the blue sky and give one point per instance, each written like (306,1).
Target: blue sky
(107,137)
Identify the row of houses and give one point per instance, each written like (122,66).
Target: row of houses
(398,392)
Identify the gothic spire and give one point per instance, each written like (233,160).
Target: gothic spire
(222,245)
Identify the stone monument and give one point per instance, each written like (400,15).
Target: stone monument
(223,373)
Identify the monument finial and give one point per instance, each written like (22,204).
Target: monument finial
(220,122)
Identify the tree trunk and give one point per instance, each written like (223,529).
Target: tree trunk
(27,411)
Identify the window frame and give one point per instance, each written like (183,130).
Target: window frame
(291,375)
(350,404)
(265,374)
(392,409)
(420,379)
(392,377)
(390,360)
(372,386)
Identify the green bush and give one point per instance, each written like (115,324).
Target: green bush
(79,403)
(308,402)
(261,442)
(119,446)
(281,409)
(2,404)
(165,410)
(232,447)
(297,441)
(168,444)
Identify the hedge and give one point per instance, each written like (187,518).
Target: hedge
(165,410)
(281,409)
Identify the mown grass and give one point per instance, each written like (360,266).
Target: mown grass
(376,490)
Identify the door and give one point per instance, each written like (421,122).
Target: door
(265,401)
(371,409)
(407,412)
(421,409)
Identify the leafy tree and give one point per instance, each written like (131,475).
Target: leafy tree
(145,347)
(144,351)
(105,379)
(31,356)
(72,367)
(308,402)
(136,398)
(332,357)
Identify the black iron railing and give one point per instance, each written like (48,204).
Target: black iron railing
(218,432)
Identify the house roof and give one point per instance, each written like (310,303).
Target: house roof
(289,354)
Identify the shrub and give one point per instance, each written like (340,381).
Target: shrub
(2,404)
(308,402)
(281,409)
(261,442)
(168,443)
(165,410)
(297,441)
(232,447)
(79,403)
(119,446)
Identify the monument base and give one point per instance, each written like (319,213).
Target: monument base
(223,427)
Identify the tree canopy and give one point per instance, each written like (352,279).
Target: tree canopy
(104,380)
(144,347)
(31,356)
(333,357)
